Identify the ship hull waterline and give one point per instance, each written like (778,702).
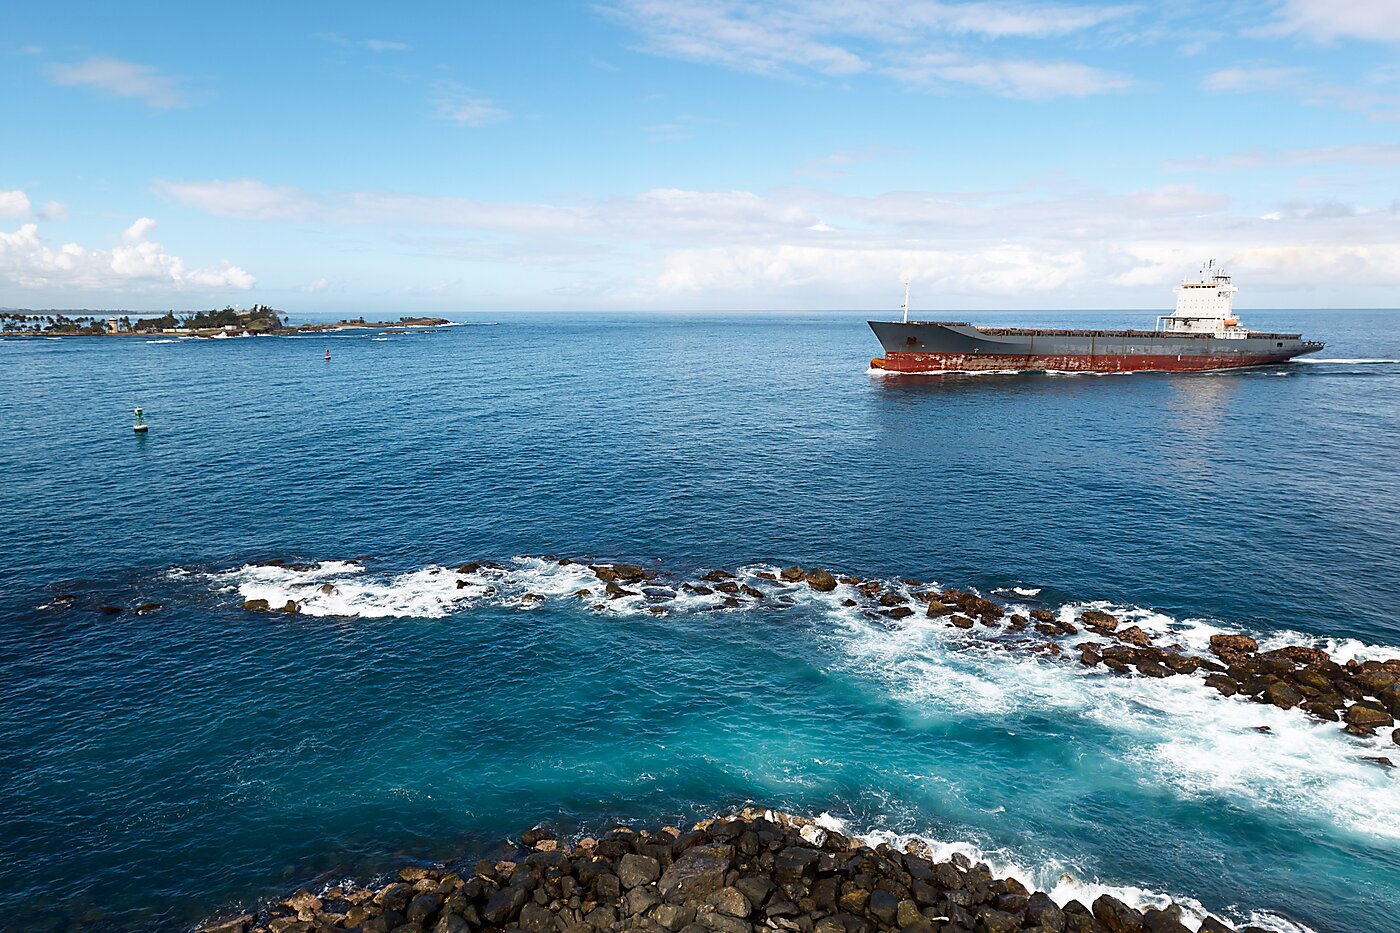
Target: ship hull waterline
(931,347)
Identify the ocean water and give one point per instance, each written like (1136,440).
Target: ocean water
(159,769)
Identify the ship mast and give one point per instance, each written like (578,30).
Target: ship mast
(906,301)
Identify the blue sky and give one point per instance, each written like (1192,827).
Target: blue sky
(647,154)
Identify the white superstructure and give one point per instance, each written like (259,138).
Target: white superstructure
(1205,306)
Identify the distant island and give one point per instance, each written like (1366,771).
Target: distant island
(259,319)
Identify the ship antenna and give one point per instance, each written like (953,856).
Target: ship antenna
(906,301)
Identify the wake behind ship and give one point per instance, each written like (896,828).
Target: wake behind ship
(1203,334)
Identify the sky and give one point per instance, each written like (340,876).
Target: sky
(676,154)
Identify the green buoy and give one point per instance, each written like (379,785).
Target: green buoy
(140,427)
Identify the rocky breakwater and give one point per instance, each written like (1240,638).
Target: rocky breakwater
(1362,696)
(754,871)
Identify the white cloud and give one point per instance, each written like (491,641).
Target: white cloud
(373,45)
(319,284)
(14,204)
(997,269)
(122,79)
(27,261)
(1253,78)
(461,105)
(804,245)
(1328,20)
(1030,80)
(789,37)
(1378,154)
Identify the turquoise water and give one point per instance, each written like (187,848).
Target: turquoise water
(160,768)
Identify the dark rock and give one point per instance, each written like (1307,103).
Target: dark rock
(1041,911)
(1100,622)
(1322,710)
(1163,921)
(290,607)
(1211,925)
(936,609)
(1373,682)
(535,918)
(795,864)
(1379,760)
(452,923)
(614,591)
(720,923)
(1222,683)
(1149,668)
(1233,644)
(996,921)
(672,916)
(422,907)
(504,905)
(947,876)
(256,605)
(1395,736)
(697,874)
(642,899)
(107,609)
(900,612)
(1388,697)
(1282,695)
(1116,916)
(396,897)
(756,888)
(636,870)
(960,621)
(883,906)
(731,902)
(821,581)
(791,574)
(1133,636)
(231,925)
(1368,715)
(146,609)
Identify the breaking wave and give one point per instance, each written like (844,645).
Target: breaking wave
(1057,879)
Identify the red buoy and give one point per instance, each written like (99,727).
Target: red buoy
(328,354)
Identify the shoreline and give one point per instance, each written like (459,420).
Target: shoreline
(750,871)
(207,333)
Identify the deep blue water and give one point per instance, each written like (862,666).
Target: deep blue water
(160,768)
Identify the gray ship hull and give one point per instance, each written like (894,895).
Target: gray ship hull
(942,346)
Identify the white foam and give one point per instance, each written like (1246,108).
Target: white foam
(1057,878)
(1170,732)
(1351,361)
(165,340)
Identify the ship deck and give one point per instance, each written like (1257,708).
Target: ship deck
(1052,332)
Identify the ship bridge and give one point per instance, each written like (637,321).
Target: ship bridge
(1205,305)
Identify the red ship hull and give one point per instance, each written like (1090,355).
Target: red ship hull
(1116,363)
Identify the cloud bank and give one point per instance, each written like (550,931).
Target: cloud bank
(136,261)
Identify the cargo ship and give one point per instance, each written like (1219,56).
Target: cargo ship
(1203,334)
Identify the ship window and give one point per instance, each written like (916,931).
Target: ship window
(1280,343)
